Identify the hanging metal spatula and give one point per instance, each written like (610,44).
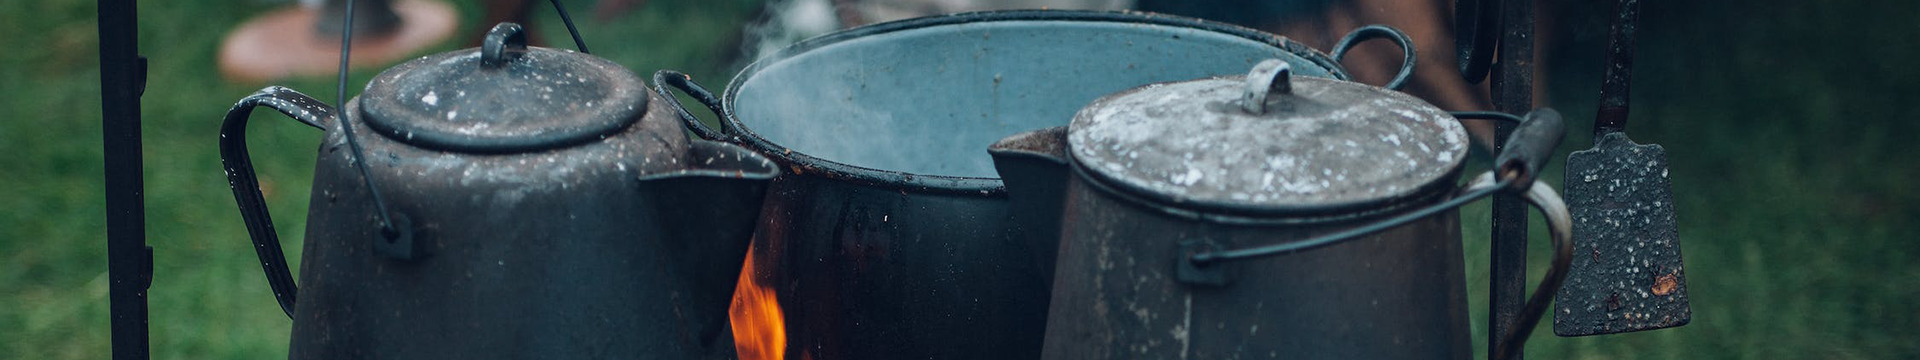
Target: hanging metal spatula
(1626,274)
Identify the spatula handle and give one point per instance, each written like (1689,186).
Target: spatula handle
(1615,86)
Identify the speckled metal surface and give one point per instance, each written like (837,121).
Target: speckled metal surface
(533,255)
(889,234)
(1398,294)
(1626,274)
(542,99)
(1327,143)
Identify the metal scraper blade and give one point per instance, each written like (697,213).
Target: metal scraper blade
(1626,274)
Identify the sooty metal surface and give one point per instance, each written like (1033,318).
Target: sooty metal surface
(888,235)
(1626,275)
(1326,143)
(532,99)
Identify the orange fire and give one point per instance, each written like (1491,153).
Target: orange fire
(759,331)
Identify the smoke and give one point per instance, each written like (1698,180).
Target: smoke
(786,22)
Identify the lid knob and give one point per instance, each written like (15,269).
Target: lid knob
(1269,77)
(1297,145)
(504,97)
(504,43)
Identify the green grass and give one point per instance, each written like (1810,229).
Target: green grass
(209,300)
(1791,127)
(1793,158)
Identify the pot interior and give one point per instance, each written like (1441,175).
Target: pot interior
(929,100)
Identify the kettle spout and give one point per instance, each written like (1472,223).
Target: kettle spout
(707,213)
(711,206)
(1034,167)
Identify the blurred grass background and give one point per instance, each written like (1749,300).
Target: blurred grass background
(1791,126)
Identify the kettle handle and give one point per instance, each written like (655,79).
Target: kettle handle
(1370,32)
(246,188)
(664,78)
(1516,171)
(1530,146)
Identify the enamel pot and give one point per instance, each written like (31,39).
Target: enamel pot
(888,234)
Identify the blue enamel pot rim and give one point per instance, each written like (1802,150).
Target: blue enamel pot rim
(803,164)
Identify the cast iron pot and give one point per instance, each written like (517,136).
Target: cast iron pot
(512,202)
(1258,216)
(889,236)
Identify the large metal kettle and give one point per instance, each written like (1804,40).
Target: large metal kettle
(1263,215)
(507,202)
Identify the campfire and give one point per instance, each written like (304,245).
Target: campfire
(759,332)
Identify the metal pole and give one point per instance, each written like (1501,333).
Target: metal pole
(123,75)
(372,18)
(1512,93)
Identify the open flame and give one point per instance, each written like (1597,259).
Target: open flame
(759,331)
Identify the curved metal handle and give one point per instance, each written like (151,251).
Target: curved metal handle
(1271,76)
(1560,226)
(1517,168)
(1196,257)
(1474,36)
(506,42)
(246,188)
(1486,115)
(664,78)
(1369,32)
(577,42)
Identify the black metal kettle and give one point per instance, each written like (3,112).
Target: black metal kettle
(1263,215)
(507,202)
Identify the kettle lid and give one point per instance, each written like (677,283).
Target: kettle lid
(504,97)
(1267,141)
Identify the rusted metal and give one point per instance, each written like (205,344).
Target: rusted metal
(1512,87)
(1617,84)
(1632,277)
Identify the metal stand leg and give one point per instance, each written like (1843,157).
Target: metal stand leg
(123,76)
(1513,93)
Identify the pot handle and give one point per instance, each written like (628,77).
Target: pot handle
(664,78)
(1369,32)
(1560,226)
(246,188)
(1474,30)
(1517,170)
